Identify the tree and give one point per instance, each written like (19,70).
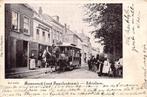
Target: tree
(107,20)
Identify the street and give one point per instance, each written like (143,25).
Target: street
(81,73)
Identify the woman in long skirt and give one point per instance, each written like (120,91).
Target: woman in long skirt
(32,62)
(106,67)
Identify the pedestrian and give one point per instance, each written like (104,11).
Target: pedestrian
(101,63)
(94,64)
(89,63)
(97,62)
(85,58)
(80,55)
(32,61)
(113,68)
(39,62)
(118,67)
(106,67)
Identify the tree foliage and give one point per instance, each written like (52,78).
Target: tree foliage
(107,20)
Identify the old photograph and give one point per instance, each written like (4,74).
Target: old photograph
(63,41)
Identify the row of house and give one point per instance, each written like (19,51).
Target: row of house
(28,31)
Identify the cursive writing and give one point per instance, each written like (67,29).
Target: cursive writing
(145,65)
(66,89)
(1,46)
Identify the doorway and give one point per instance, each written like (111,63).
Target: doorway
(21,53)
(25,53)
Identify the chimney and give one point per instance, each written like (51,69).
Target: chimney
(40,10)
(65,26)
(56,18)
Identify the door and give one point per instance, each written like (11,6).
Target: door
(25,53)
(19,53)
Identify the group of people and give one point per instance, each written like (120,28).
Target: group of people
(48,58)
(105,66)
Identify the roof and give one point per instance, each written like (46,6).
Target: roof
(28,6)
(48,17)
(69,45)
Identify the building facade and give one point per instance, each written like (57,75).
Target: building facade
(42,34)
(18,32)
(86,47)
(57,31)
(72,38)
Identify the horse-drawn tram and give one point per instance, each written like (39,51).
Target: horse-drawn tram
(70,56)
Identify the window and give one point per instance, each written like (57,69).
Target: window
(57,35)
(60,36)
(54,34)
(15,21)
(26,25)
(37,31)
(49,36)
(43,33)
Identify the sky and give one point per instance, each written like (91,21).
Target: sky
(71,14)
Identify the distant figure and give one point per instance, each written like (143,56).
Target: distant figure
(97,62)
(113,69)
(80,55)
(32,61)
(119,67)
(101,63)
(39,62)
(94,64)
(91,62)
(106,67)
(85,58)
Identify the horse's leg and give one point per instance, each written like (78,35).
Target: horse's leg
(45,66)
(55,64)
(52,66)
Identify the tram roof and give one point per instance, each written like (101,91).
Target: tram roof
(69,45)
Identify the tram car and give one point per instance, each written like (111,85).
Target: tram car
(70,57)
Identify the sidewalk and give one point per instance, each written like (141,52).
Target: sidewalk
(24,72)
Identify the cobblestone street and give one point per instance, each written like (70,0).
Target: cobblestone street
(81,73)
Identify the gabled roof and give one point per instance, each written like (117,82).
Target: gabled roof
(48,17)
(28,6)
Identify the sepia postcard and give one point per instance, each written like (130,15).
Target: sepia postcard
(65,48)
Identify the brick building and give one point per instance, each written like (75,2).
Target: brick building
(18,34)
(57,31)
(42,33)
